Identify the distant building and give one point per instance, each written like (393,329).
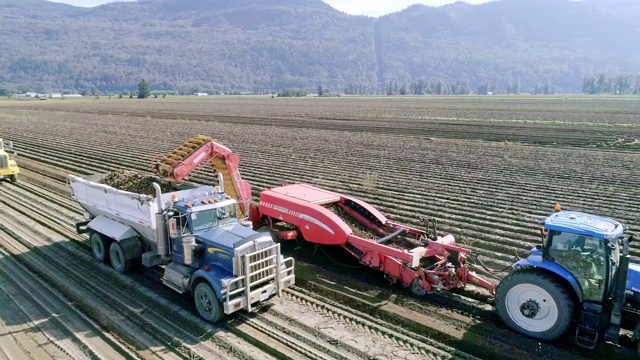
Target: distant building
(56,95)
(200,94)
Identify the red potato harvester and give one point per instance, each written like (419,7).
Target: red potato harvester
(437,264)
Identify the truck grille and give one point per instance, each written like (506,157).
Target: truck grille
(262,266)
(4,161)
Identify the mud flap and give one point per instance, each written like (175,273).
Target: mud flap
(81,227)
(131,248)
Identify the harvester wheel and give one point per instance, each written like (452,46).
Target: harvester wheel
(14,178)
(118,259)
(534,304)
(207,303)
(99,246)
(416,287)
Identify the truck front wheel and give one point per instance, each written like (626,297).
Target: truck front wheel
(207,303)
(534,304)
(99,246)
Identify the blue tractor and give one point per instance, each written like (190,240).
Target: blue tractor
(580,273)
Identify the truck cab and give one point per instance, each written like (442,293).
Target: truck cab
(213,253)
(8,166)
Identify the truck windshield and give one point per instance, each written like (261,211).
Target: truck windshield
(206,219)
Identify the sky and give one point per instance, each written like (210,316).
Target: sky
(354,7)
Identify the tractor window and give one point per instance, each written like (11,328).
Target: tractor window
(585,258)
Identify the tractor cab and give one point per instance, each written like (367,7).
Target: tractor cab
(587,246)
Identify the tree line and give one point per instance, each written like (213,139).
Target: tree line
(619,85)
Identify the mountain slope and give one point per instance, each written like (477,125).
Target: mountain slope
(242,45)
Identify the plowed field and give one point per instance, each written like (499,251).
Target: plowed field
(487,169)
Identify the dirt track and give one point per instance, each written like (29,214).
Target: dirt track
(39,233)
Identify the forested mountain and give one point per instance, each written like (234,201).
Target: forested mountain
(243,45)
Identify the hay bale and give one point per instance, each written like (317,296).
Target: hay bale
(134,181)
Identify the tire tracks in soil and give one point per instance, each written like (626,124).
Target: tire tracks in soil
(447,324)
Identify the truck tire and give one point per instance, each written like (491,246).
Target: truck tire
(118,259)
(99,246)
(14,178)
(207,303)
(534,304)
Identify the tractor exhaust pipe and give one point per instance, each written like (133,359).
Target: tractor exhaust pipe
(161,226)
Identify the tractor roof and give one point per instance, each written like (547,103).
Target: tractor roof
(584,224)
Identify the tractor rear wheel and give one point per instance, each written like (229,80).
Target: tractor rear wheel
(534,304)
(14,178)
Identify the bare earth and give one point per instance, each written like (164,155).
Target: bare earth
(488,170)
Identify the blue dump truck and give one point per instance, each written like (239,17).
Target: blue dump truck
(193,234)
(579,277)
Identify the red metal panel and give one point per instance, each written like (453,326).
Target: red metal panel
(316,223)
(308,193)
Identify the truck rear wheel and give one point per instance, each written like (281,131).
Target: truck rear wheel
(207,303)
(534,304)
(118,259)
(99,246)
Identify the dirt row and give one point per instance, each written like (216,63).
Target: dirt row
(470,216)
(452,325)
(489,195)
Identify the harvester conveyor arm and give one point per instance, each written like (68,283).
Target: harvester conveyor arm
(179,164)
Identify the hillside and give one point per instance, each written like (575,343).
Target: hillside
(238,45)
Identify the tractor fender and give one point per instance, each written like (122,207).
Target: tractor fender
(211,277)
(536,261)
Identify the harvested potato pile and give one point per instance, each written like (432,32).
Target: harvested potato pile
(134,181)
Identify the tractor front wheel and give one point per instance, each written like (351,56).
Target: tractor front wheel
(534,304)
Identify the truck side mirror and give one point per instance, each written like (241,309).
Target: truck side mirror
(173,231)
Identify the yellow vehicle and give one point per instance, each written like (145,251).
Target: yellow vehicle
(8,166)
